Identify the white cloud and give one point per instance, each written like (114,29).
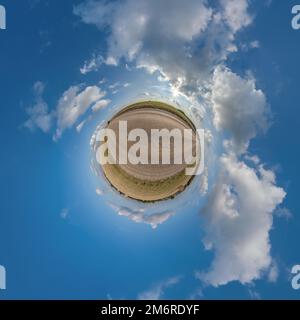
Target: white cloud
(157,291)
(101,104)
(158,218)
(111,61)
(80,126)
(188,43)
(238,107)
(254,44)
(73,104)
(94,12)
(99,192)
(254,295)
(284,213)
(183,40)
(114,85)
(39,116)
(236,14)
(139,216)
(238,218)
(204,182)
(273,272)
(92,65)
(196,295)
(64,213)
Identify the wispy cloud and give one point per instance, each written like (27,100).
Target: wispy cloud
(39,115)
(139,216)
(273,272)
(284,213)
(92,65)
(254,294)
(64,213)
(157,291)
(73,104)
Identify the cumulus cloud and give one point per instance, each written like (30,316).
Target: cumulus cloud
(238,218)
(39,116)
(182,40)
(157,291)
(238,106)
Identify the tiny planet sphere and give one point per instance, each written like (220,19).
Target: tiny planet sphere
(151,182)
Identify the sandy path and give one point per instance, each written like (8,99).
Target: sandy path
(147,119)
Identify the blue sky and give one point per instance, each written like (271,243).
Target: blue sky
(58,238)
